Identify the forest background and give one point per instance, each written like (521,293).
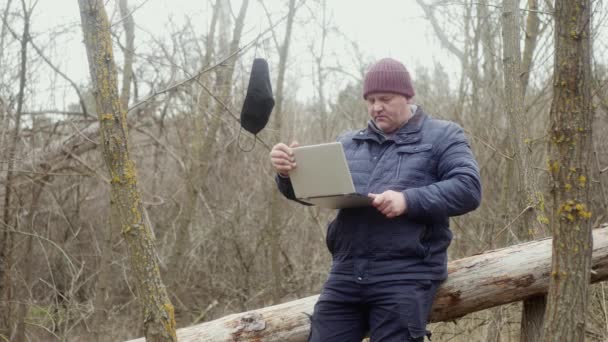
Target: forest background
(225,240)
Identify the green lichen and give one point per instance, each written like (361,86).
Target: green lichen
(542,219)
(553,166)
(106,117)
(572,211)
(582,181)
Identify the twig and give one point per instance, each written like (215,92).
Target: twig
(274,37)
(130,13)
(53,243)
(160,143)
(198,74)
(28,172)
(53,111)
(79,132)
(500,7)
(485,143)
(229,111)
(64,76)
(513,221)
(191,78)
(97,173)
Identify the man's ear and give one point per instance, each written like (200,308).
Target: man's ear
(410,100)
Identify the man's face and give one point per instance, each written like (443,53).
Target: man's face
(389,111)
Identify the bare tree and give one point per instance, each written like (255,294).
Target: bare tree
(193,180)
(28,261)
(320,72)
(102,305)
(531,200)
(158,315)
(570,160)
(531,40)
(8,215)
(129,52)
(204,142)
(274,234)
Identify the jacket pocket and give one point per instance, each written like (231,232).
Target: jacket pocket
(406,241)
(416,153)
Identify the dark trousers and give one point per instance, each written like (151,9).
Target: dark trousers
(394,310)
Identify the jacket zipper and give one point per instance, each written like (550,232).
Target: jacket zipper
(399,165)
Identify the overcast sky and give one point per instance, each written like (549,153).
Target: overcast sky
(381,28)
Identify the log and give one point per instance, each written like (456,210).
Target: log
(474,283)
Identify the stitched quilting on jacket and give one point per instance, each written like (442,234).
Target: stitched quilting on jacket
(431,162)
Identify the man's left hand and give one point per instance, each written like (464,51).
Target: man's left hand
(390,203)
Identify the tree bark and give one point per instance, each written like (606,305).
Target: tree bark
(129,52)
(474,283)
(532,318)
(28,261)
(276,205)
(571,118)
(126,202)
(6,251)
(531,200)
(531,32)
(321,73)
(101,303)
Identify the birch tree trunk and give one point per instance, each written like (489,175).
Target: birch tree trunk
(571,117)
(126,202)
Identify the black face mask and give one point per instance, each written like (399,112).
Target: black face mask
(259,101)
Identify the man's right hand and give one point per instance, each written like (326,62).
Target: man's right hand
(282,158)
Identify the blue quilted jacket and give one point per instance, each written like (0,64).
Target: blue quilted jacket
(431,162)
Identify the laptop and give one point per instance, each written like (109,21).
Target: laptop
(322,177)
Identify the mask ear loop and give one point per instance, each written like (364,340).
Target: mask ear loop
(257,40)
(238,142)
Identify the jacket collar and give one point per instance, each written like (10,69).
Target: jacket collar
(407,134)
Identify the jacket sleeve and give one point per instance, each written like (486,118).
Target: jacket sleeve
(458,190)
(285,187)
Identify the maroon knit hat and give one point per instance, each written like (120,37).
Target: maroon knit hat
(388,76)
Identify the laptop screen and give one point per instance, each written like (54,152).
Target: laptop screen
(321,171)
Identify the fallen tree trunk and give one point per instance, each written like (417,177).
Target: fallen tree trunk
(59,151)
(475,283)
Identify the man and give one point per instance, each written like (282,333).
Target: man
(389,258)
